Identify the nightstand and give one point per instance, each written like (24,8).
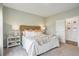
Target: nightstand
(13,41)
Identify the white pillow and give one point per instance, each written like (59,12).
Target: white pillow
(24,33)
(29,34)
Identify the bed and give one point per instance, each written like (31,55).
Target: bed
(35,42)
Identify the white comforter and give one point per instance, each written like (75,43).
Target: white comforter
(32,44)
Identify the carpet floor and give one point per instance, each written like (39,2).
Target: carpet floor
(63,50)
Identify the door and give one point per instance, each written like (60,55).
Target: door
(60,30)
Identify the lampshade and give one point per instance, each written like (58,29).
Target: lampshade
(15,27)
(42,27)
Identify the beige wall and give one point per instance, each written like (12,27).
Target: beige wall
(50,23)
(1,29)
(15,17)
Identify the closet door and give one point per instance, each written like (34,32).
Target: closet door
(75,29)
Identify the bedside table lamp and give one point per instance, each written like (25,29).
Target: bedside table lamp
(15,30)
(43,28)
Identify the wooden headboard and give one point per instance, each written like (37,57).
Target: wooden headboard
(25,27)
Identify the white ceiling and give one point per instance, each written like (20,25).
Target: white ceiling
(42,9)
